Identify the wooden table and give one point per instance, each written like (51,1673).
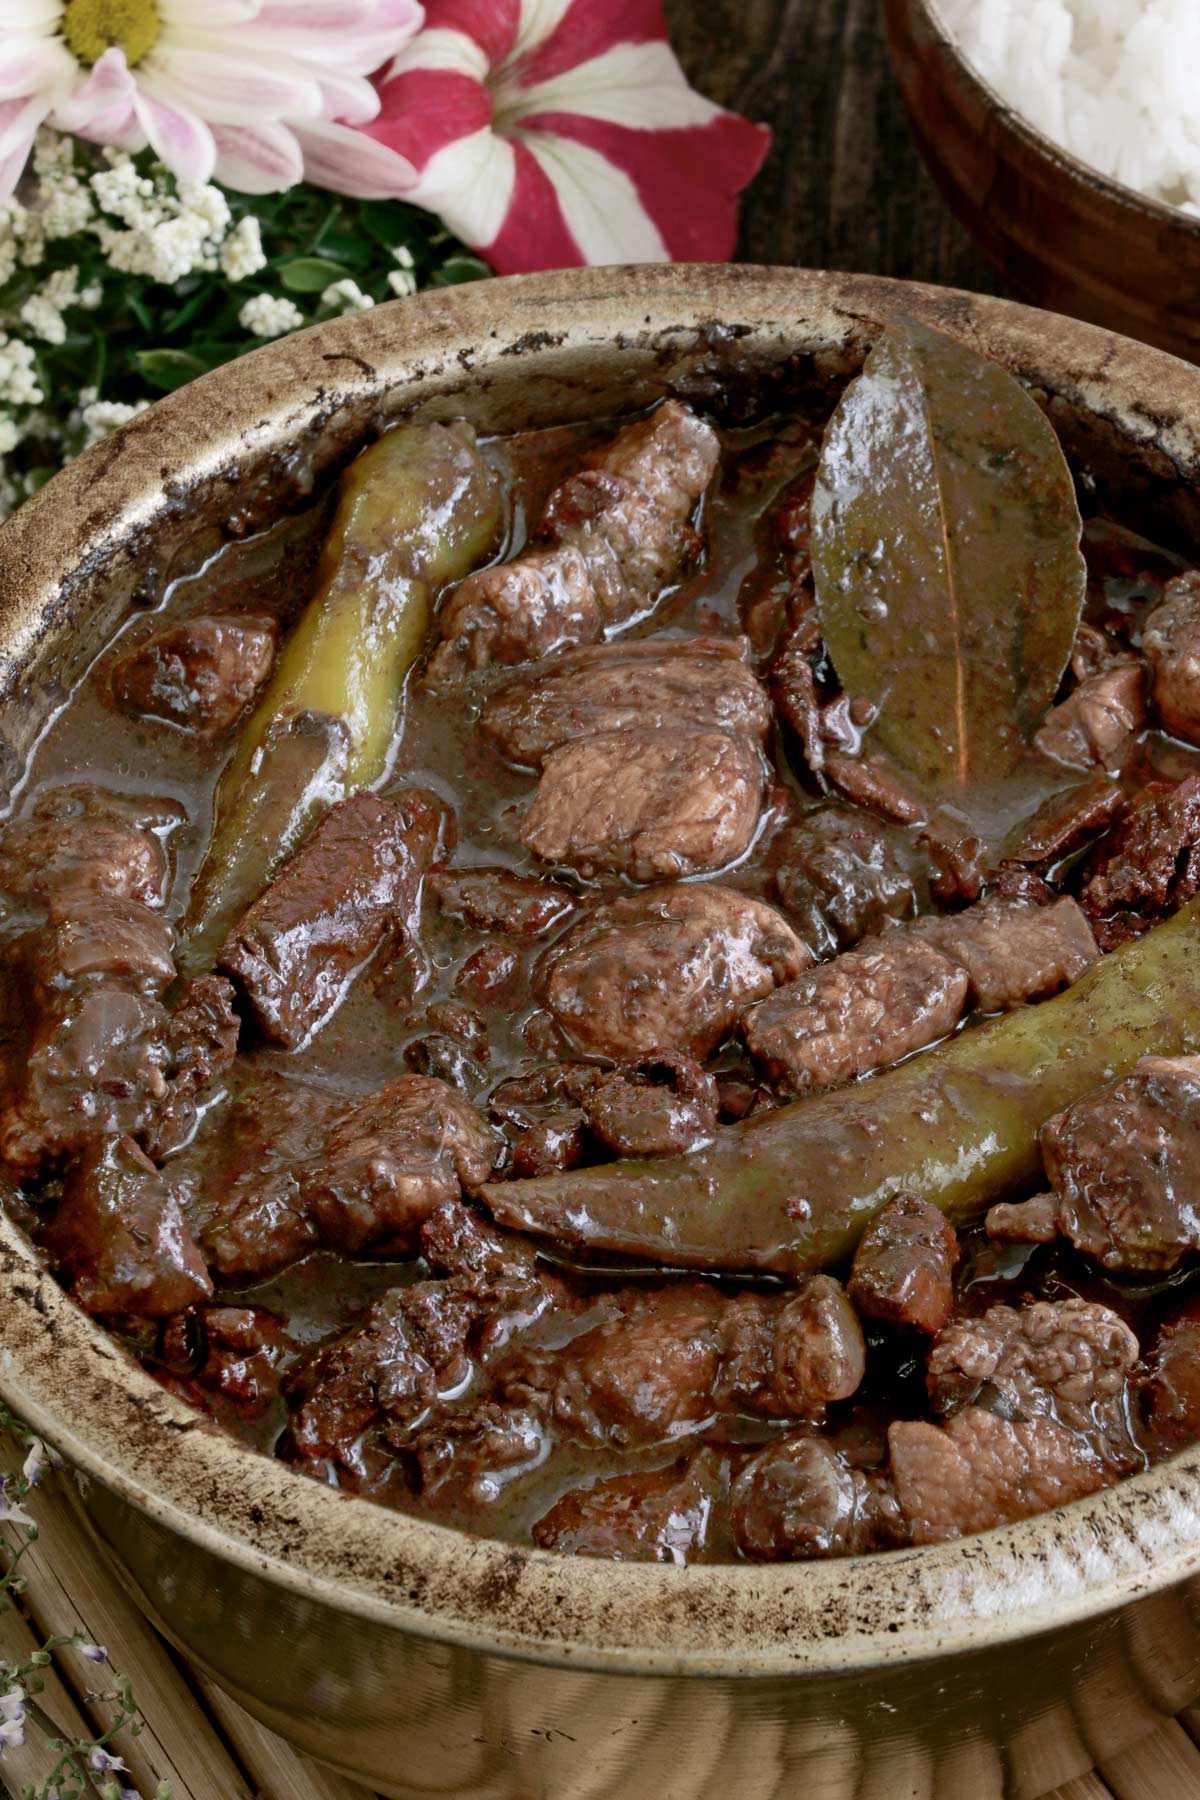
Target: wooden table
(844,188)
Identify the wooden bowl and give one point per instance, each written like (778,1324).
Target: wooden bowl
(1060,234)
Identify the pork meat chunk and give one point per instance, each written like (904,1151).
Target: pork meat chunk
(980,1471)
(249,1209)
(1170,1395)
(670,969)
(652,805)
(649,684)
(119,1239)
(233,1354)
(1146,866)
(1013,953)
(522,906)
(657,1515)
(1171,647)
(359,1176)
(904,1266)
(1124,1164)
(643,1375)
(862,1011)
(390,1160)
(200,674)
(202,1036)
(841,875)
(353,885)
(800,1498)
(790,1358)
(619,533)
(666,1361)
(86,839)
(1064,1359)
(1098,721)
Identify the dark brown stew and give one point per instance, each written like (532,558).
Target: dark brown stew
(629,875)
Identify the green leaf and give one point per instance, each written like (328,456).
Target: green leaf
(311,274)
(945,546)
(170,369)
(460,268)
(389,222)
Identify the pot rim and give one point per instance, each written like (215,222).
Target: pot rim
(77,1388)
(1118,193)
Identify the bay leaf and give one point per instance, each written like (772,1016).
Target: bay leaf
(946,554)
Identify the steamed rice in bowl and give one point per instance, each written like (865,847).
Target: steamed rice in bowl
(1113,82)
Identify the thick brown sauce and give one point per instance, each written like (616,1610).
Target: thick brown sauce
(387,1010)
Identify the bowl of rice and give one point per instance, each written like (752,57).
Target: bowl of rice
(1065,135)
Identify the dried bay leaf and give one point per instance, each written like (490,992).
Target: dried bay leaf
(946,552)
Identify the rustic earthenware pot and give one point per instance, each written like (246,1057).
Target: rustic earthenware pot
(1060,233)
(425,1662)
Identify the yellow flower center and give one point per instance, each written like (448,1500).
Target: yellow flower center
(91,27)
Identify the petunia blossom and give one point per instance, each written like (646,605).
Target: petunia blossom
(554,132)
(258,93)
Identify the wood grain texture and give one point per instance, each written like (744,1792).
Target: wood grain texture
(843,186)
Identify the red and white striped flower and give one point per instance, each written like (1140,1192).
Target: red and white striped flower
(553,132)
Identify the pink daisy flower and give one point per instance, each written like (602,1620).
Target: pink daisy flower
(258,93)
(552,132)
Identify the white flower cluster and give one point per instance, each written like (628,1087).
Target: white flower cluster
(79,216)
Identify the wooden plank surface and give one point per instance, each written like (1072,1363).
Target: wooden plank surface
(843,189)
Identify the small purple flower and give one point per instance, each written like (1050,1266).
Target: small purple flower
(105,1763)
(94,1652)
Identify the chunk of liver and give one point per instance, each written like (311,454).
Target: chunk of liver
(671,969)
(1145,866)
(647,684)
(862,1011)
(657,1515)
(1065,821)
(200,674)
(840,875)
(119,1238)
(390,1160)
(86,839)
(799,1498)
(350,887)
(904,1266)
(523,906)
(202,1036)
(620,534)
(465,1457)
(95,1055)
(1124,1163)
(980,1471)
(1013,953)
(658,1107)
(1171,647)
(649,804)
(412,1345)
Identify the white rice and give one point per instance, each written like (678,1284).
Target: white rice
(1115,82)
